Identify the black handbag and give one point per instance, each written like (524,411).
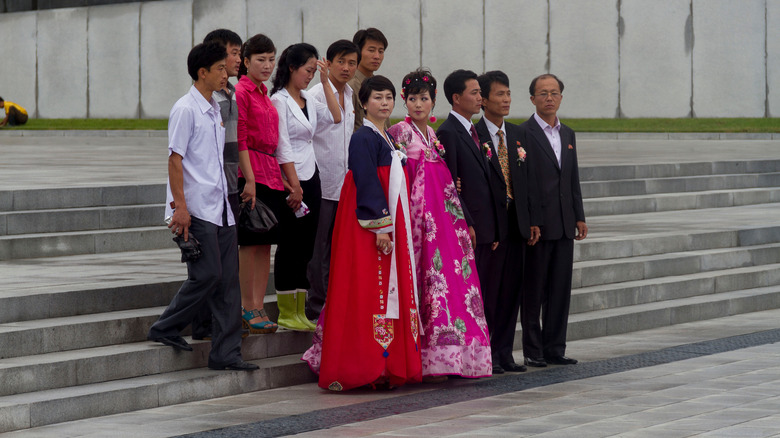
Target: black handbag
(257,220)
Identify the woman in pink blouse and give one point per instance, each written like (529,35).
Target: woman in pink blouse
(258,132)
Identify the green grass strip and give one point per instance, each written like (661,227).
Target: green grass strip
(760,125)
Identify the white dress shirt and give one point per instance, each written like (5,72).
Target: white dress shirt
(493,130)
(196,133)
(296,131)
(553,134)
(331,143)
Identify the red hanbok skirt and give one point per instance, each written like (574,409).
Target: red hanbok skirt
(360,346)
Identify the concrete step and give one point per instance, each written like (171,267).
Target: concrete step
(123,361)
(75,197)
(680,201)
(24,246)
(72,300)
(51,335)
(40,408)
(602,272)
(672,170)
(647,186)
(80,219)
(664,313)
(601,245)
(629,293)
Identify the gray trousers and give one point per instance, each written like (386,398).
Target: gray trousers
(318,270)
(212,281)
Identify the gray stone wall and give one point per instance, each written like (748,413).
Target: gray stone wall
(618,58)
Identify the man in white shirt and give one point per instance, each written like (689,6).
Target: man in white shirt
(198,207)
(331,146)
(547,285)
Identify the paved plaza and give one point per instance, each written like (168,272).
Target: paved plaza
(716,378)
(711,378)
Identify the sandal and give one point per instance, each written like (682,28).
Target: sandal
(258,327)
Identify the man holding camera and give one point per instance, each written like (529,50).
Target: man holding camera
(198,208)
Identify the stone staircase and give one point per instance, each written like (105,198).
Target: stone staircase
(84,273)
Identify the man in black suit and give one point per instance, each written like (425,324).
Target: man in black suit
(467,161)
(515,182)
(547,287)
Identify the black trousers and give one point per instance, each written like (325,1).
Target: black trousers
(546,297)
(296,242)
(212,281)
(201,323)
(318,270)
(16,117)
(501,278)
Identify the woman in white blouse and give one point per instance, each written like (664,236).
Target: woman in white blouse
(299,117)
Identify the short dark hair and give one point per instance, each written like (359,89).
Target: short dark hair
(253,46)
(204,56)
(455,83)
(487,79)
(2,100)
(374,83)
(417,82)
(342,48)
(371,33)
(224,37)
(532,88)
(293,57)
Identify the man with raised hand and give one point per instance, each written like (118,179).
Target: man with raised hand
(331,148)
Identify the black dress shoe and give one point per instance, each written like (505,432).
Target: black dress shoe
(561,360)
(497,370)
(513,367)
(538,363)
(176,342)
(240,365)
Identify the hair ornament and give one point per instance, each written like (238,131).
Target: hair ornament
(408,119)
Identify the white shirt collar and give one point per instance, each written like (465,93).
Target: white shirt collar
(544,125)
(464,121)
(203,104)
(368,123)
(493,129)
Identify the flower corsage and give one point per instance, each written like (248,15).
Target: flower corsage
(439,148)
(400,150)
(487,150)
(520,155)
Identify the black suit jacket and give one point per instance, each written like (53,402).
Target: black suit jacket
(560,197)
(467,162)
(523,174)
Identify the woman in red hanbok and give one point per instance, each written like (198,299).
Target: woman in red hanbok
(370,326)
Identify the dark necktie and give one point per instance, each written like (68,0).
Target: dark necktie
(474,136)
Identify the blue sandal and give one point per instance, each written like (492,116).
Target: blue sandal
(258,327)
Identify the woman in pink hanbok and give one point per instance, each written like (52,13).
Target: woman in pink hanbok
(455,339)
